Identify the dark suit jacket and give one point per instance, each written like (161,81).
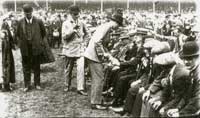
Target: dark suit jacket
(193,104)
(156,85)
(38,33)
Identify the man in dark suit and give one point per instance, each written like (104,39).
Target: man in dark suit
(190,56)
(30,34)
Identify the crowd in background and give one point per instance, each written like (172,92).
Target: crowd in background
(151,77)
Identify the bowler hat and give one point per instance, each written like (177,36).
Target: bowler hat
(190,49)
(74,9)
(117,17)
(27,8)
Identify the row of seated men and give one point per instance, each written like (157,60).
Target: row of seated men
(153,81)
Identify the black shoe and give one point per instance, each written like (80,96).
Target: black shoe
(98,107)
(81,92)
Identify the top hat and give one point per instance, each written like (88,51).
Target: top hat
(74,9)
(27,8)
(190,49)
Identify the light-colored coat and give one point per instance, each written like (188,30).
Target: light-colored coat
(73,47)
(101,33)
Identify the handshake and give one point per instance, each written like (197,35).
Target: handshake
(113,61)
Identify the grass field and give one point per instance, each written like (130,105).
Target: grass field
(51,101)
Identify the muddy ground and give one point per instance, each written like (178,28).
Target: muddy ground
(51,101)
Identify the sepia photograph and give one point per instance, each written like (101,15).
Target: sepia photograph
(99,58)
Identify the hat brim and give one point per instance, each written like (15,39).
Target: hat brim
(28,12)
(120,24)
(185,56)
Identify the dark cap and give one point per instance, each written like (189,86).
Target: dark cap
(74,9)
(118,17)
(27,8)
(190,49)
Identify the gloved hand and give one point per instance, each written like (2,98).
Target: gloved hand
(146,96)
(114,61)
(156,105)
(173,113)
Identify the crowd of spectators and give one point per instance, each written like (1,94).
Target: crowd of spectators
(153,77)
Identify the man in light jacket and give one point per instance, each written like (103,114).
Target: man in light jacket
(101,37)
(73,32)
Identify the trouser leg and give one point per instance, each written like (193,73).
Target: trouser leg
(36,70)
(80,73)
(97,76)
(69,63)
(137,108)
(26,64)
(130,99)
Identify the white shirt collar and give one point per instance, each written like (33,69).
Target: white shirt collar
(31,20)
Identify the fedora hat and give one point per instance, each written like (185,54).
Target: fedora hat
(190,49)
(117,17)
(27,8)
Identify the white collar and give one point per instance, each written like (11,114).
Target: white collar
(31,20)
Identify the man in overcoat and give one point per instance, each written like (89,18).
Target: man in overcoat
(30,34)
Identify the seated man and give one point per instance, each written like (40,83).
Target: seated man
(190,54)
(127,74)
(176,90)
(155,88)
(184,88)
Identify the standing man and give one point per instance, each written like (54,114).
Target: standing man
(102,37)
(73,35)
(30,33)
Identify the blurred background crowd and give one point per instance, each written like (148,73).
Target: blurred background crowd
(147,45)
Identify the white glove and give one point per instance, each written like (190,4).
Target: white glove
(114,61)
(162,111)
(133,84)
(2,35)
(146,96)
(173,113)
(156,105)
